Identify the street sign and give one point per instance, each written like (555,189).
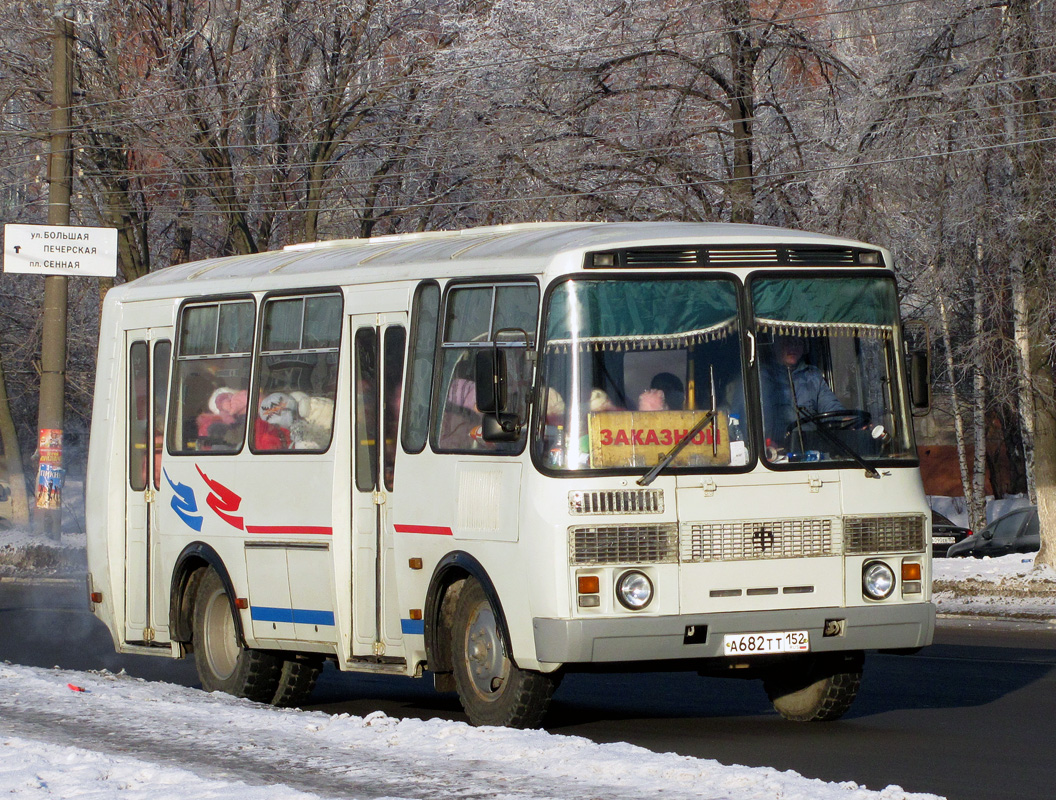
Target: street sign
(60,250)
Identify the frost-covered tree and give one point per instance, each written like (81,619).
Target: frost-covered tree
(652,109)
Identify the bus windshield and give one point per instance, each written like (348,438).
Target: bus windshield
(631,366)
(830,385)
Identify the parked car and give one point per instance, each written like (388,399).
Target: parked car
(1015,532)
(944,534)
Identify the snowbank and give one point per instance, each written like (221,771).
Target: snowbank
(1008,586)
(126,738)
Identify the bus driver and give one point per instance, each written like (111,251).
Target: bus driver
(788,383)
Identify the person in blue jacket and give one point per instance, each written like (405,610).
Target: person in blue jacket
(789,382)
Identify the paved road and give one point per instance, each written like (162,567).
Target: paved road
(973,716)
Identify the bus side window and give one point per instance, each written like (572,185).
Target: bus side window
(211,386)
(366,412)
(160,379)
(137,416)
(297,371)
(420,369)
(395,342)
(475,317)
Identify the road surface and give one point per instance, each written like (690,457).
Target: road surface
(972,716)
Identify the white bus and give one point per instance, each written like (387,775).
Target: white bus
(507,453)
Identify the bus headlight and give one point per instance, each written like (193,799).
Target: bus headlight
(634,590)
(878,580)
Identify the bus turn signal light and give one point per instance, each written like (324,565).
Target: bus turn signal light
(589,584)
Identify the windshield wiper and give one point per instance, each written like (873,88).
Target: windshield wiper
(650,476)
(822,427)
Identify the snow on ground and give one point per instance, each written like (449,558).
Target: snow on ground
(1009,586)
(215,746)
(127,739)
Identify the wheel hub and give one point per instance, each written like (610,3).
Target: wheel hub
(485,655)
(221,645)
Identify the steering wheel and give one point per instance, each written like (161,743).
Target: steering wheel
(840,419)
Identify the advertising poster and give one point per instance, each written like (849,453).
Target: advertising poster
(51,474)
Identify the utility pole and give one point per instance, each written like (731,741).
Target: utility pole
(53,349)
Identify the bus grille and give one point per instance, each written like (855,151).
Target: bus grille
(629,501)
(624,544)
(883,534)
(752,539)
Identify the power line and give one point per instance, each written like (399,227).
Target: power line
(536,59)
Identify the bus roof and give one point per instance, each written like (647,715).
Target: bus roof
(503,249)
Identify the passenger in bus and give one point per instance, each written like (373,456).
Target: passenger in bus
(271,430)
(789,382)
(555,407)
(666,392)
(221,426)
(315,417)
(461,419)
(293,421)
(600,401)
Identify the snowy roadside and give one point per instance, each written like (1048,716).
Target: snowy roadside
(27,555)
(126,738)
(129,739)
(1008,587)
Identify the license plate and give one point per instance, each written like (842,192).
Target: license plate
(745,644)
(943,539)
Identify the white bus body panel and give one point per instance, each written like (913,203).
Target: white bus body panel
(315,592)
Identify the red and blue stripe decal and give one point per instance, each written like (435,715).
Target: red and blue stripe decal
(413,626)
(430,530)
(311,530)
(225,502)
(303,616)
(416,627)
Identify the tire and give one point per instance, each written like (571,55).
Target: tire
(223,664)
(297,678)
(819,688)
(493,690)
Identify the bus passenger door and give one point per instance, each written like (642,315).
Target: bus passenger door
(379,344)
(147,378)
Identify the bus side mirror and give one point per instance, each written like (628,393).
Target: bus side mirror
(918,347)
(491,377)
(920,381)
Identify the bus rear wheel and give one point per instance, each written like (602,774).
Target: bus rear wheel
(493,690)
(297,680)
(818,688)
(223,664)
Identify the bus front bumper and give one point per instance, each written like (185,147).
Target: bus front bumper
(691,636)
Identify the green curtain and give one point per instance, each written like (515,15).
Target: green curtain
(855,302)
(627,311)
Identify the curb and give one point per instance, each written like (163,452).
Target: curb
(50,580)
(1010,619)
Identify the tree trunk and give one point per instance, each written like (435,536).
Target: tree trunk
(13,458)
(977,506)
(743,56)
(1021,333)
(1032,237)
(958,417)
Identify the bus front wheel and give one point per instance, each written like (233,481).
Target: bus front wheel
(223,664)
(493,690)
(816,688)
